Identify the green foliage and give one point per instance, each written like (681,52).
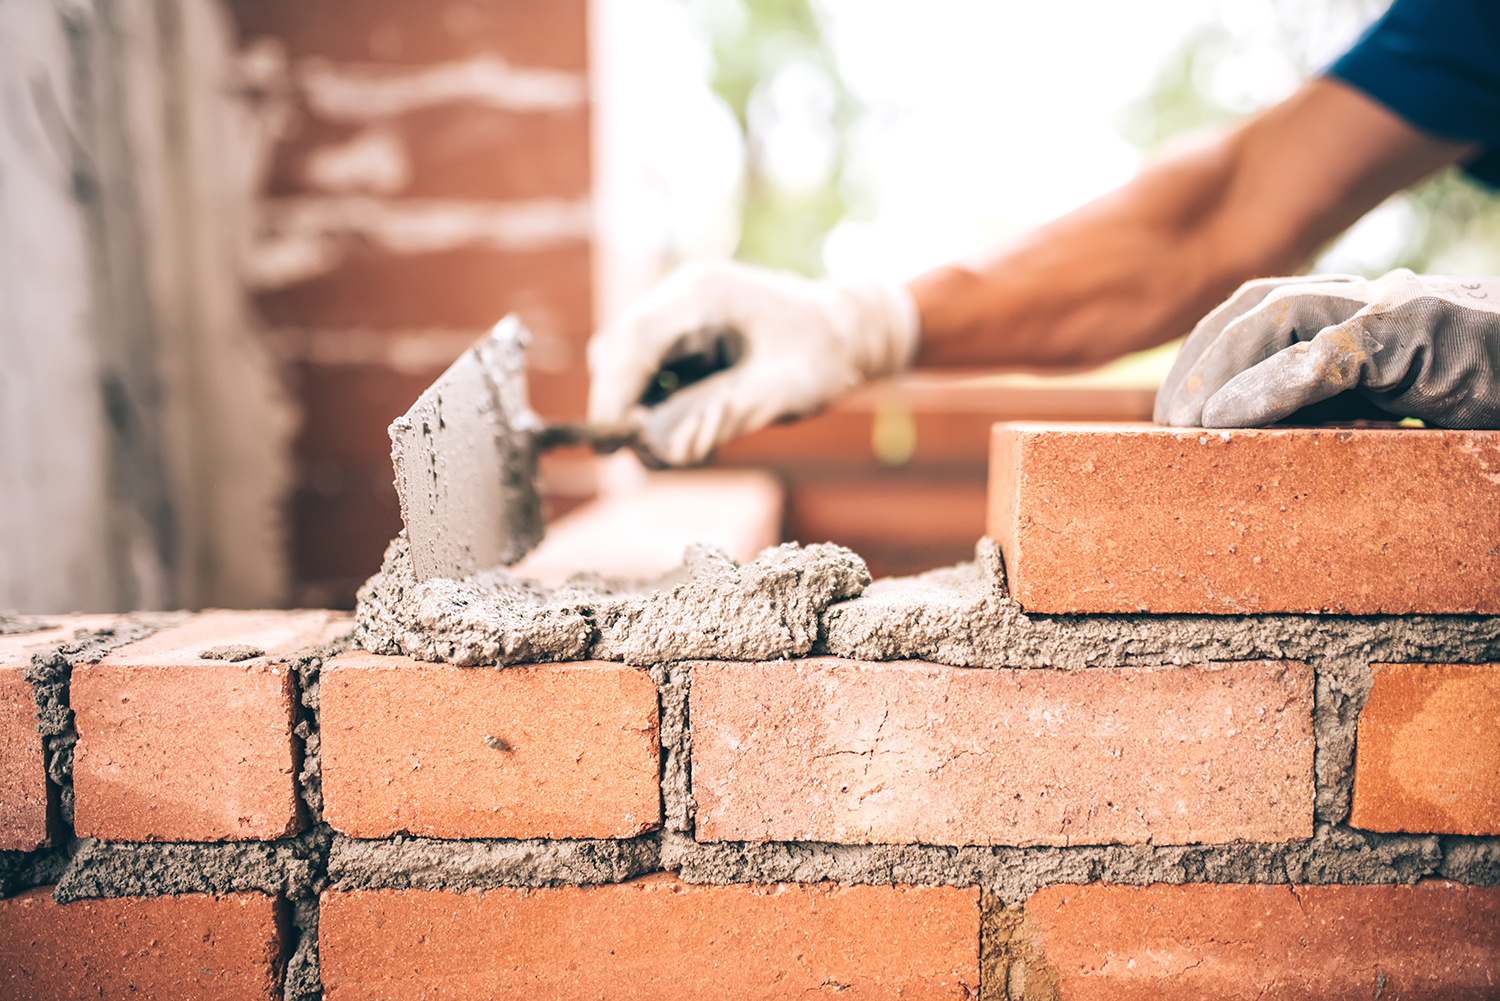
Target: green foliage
(754,41)
(1452,222)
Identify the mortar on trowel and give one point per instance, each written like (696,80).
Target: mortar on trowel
(465,454)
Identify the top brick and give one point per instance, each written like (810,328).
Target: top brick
(1134,517)
(187,734)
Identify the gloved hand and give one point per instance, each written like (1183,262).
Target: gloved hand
(1424,346)
(796,345)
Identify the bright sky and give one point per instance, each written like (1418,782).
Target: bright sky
(985,118)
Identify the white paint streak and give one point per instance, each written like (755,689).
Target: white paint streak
(367,93)
(301,237)
(374,161)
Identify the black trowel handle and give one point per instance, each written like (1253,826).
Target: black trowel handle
(693,358)
(602,438)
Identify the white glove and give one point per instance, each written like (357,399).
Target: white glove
(795,345)
(1424,346)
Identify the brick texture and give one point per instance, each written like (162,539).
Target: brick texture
(545,751)
(652,938)
(1428,753)
(520,31)
(836,750)
(27,815)
(190,946)
(174,746)
(23,766)
(1124,518)
(1435,940)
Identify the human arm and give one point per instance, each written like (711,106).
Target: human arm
(1129,270)
(1140,265)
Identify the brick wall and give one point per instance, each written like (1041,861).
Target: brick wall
(429,172)
(953,796)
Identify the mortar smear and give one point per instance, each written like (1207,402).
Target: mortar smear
(709,607)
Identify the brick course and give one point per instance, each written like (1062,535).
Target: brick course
(543,751)
(836,750)
(1428,754)
(27,816)
(178,747)
(652,938)
(1133,517)
(1435,940)
(190,946)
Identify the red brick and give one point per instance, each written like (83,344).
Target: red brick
(836,750)
(176,747)
(641,533)
(652,938)
(1124,518)
(23,766)
(897,525)
(191,946)
(467,288)
(463,150)
(412,747)
(27,819)
(524,32)
(1428,753)
(1435,940)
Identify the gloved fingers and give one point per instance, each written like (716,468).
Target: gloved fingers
(1305,373)
(1283,316)
(696,299)
(685,428)
(1208,330)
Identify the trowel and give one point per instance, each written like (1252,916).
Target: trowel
(465,454)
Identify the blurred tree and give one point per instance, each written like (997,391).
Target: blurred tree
(779,76)
(1448,223)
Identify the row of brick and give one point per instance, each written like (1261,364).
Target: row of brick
(656,937)
(1139,518)
(188,736)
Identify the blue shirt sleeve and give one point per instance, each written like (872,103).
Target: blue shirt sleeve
(1436,63)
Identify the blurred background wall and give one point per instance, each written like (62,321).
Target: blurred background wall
(237,237)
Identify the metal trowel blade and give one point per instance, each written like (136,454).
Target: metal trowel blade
(465,457)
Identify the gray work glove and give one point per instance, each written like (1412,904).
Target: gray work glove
(1424,346)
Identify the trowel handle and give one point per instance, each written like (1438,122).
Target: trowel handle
(692,358)
(602,438)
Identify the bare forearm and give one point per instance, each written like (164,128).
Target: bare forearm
(1142,264)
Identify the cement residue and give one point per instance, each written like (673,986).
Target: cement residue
(767,609)
(490,618)
(673,682)
(1475,861)
(962,616)
(308,667)
(291,866)
(1333,855)
(20,871)
(12,624)
(712,607)
(50,674)
(430,864)
(303,979)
